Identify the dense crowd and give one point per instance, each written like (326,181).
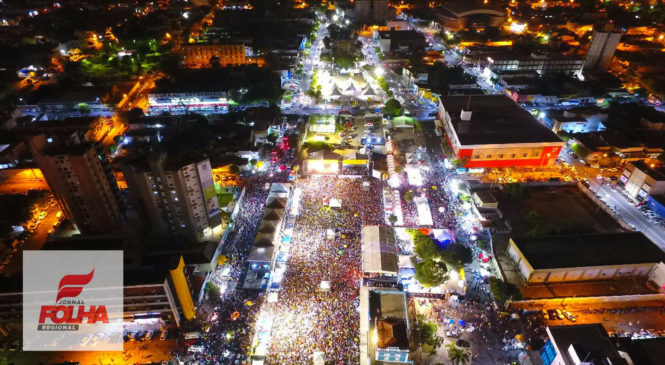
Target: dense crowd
(310,319)
(229,337)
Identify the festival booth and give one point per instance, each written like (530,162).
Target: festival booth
(269,237)
(379,254)
(424,213)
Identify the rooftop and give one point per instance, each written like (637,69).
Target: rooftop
(495,119)
(586,250)
(379,250)
(590,341)
(389,310)
(657,173)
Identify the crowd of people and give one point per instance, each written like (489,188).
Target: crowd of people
(308,317)
(234,314)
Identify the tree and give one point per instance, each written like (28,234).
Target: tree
(408,196)
(515,191)
(431,273)
(84,108)
(392,219)
(460,162)
(214,61)
(272,137)
(457,255)
(213,291)
(456,354)
(483,245)
(427,337)
(383,84)
(393,108)
(580,150)
(424,246)
(343,61)
(502,290)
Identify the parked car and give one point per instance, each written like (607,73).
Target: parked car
(162,336)
(551,315)
(559,314)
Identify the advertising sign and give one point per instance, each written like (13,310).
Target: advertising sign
(208,187)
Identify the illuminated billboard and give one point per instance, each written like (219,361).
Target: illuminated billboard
(208,187)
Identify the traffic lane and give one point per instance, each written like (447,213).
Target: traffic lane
(35,241)
(631,214)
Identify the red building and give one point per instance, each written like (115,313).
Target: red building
(493,131)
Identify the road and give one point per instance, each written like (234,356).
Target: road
(614,198)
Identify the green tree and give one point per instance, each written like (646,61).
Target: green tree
(212,291)
(515,191)
(483,245)
(272,137)
(343,61)
(456,354)
(393,108)
(580,150)
(456,255)
(392,219)
(502,290)
(431,273)
(383,84)
(424,246)
(408,196)
(84,108)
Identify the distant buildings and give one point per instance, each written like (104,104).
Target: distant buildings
(201,55)
(601,50)
(402,41)
(82,181)
(541,63)
(492,131)
(175,196)
(457,15)
(373,11)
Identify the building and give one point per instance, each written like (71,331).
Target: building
(401,41)
(176,196)
(488,131)
(641,180)
(389,326)
(586,257)
(601,50)
(573,122)
(373,11)
(199,55)
(542,63)
(81,179)
(580,344)
(457,15)
(379,253)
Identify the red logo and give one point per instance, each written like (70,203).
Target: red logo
(73,311)
(66,291)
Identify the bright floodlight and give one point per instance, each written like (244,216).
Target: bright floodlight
(378,71)
(335,18)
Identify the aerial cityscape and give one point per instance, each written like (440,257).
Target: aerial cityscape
(332,182)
